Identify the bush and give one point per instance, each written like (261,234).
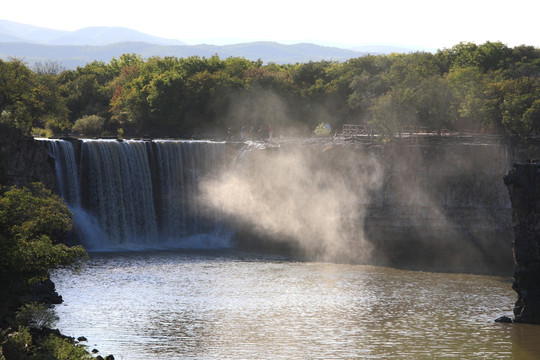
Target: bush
(44,133)
(31,219)
(61,348)
(36,315)
(90,125)
(27,344)
(17,345)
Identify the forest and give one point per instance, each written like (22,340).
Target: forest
(486,88)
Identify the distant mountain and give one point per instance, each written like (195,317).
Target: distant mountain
(12,31)
(77,48)
(388,49)
(95,36)
(73,56)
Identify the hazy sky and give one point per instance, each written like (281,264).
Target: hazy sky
(422,23)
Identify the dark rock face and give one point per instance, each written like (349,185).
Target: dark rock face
(42,292)
(24,160)
(523,184)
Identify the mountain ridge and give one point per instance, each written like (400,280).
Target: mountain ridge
(77,48)
(94,35)
(72,56)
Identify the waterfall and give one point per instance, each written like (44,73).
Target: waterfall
(180,167)
(87,228)
(119,189)
(137,194)
(66,171)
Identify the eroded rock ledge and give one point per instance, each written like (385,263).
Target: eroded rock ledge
(24,160)
(523,183)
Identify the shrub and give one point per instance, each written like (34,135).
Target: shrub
(36,315)
(17,345)
(60,348)
(45,133)
(90,125)
(26,344)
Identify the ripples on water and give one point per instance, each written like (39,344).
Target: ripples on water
(226,305)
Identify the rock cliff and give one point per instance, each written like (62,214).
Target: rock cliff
(24,160)
(523,183)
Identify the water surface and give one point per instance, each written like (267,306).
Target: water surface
(228,305)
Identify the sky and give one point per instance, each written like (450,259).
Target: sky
(346,23)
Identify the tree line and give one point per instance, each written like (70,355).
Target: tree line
(487,87)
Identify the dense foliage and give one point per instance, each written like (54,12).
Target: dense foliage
(469,87)
(32,220)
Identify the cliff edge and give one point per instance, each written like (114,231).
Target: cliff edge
(523,183)
(24,160)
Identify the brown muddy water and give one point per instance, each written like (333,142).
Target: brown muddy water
(222,304)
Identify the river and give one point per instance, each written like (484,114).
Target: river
(226,304)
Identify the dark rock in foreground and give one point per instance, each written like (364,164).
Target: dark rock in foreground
(504,319)
(523,184)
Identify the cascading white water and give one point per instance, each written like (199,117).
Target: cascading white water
(87,227)
(180,167)
(67,177)
(119,189)
(136,193)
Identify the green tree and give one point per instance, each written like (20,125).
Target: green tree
(125,60)
(31,221)
(408,70)
(30,100)
(129,103)
(418,95)
(49,107)
(88,91)
(387,113)
(434,104)
(519,106)
(16,84)
(166,100)
(468,86)
(368,83)
(488,56)
(237,66)
(208,96)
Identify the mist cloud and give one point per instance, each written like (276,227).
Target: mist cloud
(315,199)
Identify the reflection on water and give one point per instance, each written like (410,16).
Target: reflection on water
(225,305)
(525,341)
